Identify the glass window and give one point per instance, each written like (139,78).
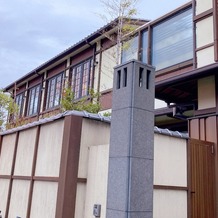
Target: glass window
(172,40)
(145,46)
(54,91)
(19,100)
(130,49)
(81,79)
(33,100)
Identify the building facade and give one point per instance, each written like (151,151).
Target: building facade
(183,47)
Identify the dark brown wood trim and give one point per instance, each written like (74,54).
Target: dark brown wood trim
(198,141)
(5,177)
(192,74)
(203,116)
(216,92)
(205,111)
(46,178)
(66,197)
(45,91)
(203,15)
(205,130)
(22,177)
(26,99)
(168,187)
(1,139)
(188,178)
(99,68)
(168,15)
(12,172)
(216,169)
(202,169)
(82,180)
(215,17)
(194,34)
(149,51)
(174,68)
(140,46)
(92,79)
(204,47)
(33,171)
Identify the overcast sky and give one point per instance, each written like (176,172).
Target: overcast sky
(34,31)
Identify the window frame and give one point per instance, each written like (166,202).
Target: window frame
(52,91)
(155,51)
(36,100)
(81,78)
(19,100)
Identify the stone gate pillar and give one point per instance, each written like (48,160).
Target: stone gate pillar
(130,178)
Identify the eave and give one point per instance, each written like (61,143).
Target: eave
(183,88)
(83,44)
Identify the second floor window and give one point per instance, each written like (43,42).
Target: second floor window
(81,79)
(172,40)
(54,91)
(19,101)
(33,101)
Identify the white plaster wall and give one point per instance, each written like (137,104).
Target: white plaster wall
(206,93)
(204,32)
(97,179)
(203,5)
(44,200)
(6,155)
(170,161)
(4,185)
(159,104)
(107,70)
(93,133)
(170,169)
(49,149)
(80,200)
(170,204)
(205,57)
(19,199)
(25,151)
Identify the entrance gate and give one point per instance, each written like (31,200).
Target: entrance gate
(201,179)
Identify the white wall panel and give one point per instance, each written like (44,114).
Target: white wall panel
(19,199)
(203,5)
(170,204)
(49,149)
(44,200)
(170,161)
(6,155)
(204,32)
(25,151)
(205,57)
(97,179)
(4,185)
(80,200)
(93,133)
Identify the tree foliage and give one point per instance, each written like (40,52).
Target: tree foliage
(122,11)
(7,108)
(89,103)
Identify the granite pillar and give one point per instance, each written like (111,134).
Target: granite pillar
(130,178)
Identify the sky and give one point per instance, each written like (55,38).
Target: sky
(34,31)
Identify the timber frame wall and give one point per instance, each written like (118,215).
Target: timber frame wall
(67,178)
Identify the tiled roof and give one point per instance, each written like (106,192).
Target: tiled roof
(72,48)
(89,116)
